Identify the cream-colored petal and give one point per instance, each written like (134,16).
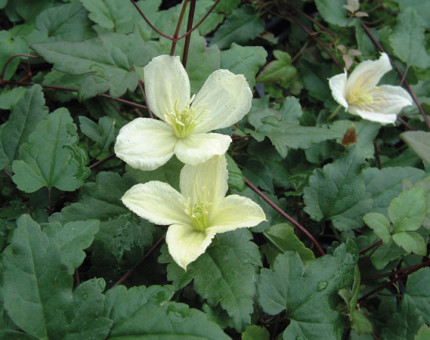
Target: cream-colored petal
(208,179)
(185,244)
(157,202)
(198,148)
(388,101)
(235,212)
(337,85)
(368,73)
(226,96)
(166,82)
(145,143)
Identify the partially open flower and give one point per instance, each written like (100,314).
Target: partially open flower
(223,100)
(360,95)
(198,212)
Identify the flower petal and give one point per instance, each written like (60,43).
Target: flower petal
(145,143)
(338,87)
(226,96)
(185,244)
(157,202)
(198,148)
(368,73)
(235,212)
(166,82)
(211,175)
(388,101)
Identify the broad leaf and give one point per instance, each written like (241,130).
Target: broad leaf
(108,60)
(380,225)
(411,241)
(256,333)
(37,289)
(333,12)
(419,141)
(52,157)
(308,292)
(240,27)
(408,210)
(245,60)
(279,71)
(145,313)
(337,192)
(27,113)
(418,293)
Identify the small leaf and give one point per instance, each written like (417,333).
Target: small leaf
(279,71)
(419,141)
(360,323)
(235,177)
(333,12)
(418,293)
(423,333)
(380,225)
(411,242)
(256,333)
(46,161)
(101,133)
(408,210)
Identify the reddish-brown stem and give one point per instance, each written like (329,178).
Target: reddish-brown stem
(188,37)
(410,269)
(117,110)
(7,174)
(378,159)
(200,22)
(101,161)
(178,27)
(401,120)
(65,88)
(411,92)
(2,81)
(127,275)
(376,244)
(149,23)
(285,215)
(144,97)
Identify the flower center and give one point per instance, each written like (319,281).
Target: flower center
(198,211)
(183,122)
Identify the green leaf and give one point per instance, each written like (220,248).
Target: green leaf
(245,60)
(283,237)
(412,242)
(421,8)
(235,177)
(102,133)
(418,293)
(240,27)
(308,292)
(279,71)
(36,283)
(425,184)
(225,274)
(385,254)
(314,78)
(10,97)
(282,133)
(333,12)
(419,141)
(10,46)
(145,313)
(27,113)
(337,192)
(52,157)
(67,22)
(408,210)
(380,225)
(72,238)
(108,60)
(423,333)
(411,51)
(256,333)
(360,323)
(385,184)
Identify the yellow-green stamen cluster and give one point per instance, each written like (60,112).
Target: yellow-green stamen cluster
(198,211)
(183,122)
(360,94)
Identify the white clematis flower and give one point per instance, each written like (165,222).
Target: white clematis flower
(223,100)
(198,212)
(359,95)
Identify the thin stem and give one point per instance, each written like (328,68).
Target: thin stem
(378,159)
(335,112)
(200,22)
(7,174)
(285,215)
(376,244)
(101,161)
(188,37)
(401,120)
(411,92)
(178,27)
(127,275)
(117,110)
(399,271)
(2,81)
(149,23)
(144,97)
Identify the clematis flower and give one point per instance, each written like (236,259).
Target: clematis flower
(198,212)
(359,95)
(223,100)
